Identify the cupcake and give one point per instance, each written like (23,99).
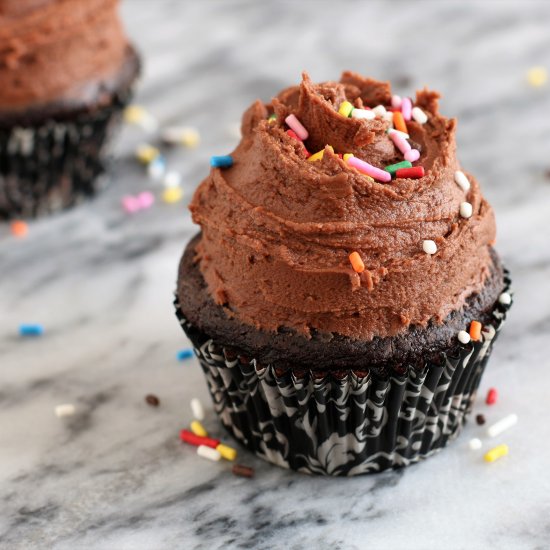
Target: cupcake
(343,294)
(67,70)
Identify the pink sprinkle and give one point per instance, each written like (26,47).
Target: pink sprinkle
(296,125)
(146,199)
(130,204)
(396,101)
(400,142)
(406,108)
(368,169)
(412,155)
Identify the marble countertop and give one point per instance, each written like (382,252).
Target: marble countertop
(115,475)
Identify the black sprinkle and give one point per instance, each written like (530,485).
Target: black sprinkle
(480,419)
(152,400)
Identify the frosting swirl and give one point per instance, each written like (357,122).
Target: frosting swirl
(277,229)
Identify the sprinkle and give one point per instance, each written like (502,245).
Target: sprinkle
(462,181)
(66,409)
(466,210)
(419,115)
(184,354)
(319,154)
(368,169)
(415,172)
(156,169)
(492,396)
(146,153)
(400,142)
(363,114)
(136,114)
(146,199)
(399,122)
(393,168)
(31,329)
(181,135)
(226,452)
(198,429)
(223,161)
(347,156)
(172,179)
(388,117)
(356,262)
(296,125)
(406,108)
(463,337)
(172,194)
(130,204)
(537,76)
(429,246)
(396,101)
(413,155)
(19,228)
(272,118)
(379,110)
(152,400)
(394,131)
(475,331)
(346,108)
(197,408)
(480,419)
(475,444)
(189,437)
(505,299)
(242,471)
(502,425)
(207,452)
(293,134)
(497,452)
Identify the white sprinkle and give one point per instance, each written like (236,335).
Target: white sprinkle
(172,179)
(505,299)
(429,247)
(197,409)
(379,110)
(419,115)
(156,169)
(209,453)
(462,181)
(466,210)
(475,444)
(388,116)
(181,135)
(463,337)
(502,425)
(66,409)
(363,114)
(399,132)
(396,101)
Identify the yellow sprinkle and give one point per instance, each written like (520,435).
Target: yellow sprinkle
(537,76)
(345,109)
(347,156)
(190,138)
(147,153)
(134,114)
(198,429)
(227,452)
(497,452)
(319,154)
(172,194)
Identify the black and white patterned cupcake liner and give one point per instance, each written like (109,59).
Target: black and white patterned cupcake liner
(58,162)
(343,424)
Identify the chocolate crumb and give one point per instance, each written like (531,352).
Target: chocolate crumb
(480,419)
(242,471)
(152,400)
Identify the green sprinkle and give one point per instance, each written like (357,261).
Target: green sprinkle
(392,168)
(272,117)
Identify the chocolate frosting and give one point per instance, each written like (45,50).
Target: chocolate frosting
(57,50)
(277,229)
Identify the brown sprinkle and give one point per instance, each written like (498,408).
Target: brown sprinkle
(152,400)
(242,471)
(480,419)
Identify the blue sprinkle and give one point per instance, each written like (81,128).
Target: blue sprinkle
(224,161)
(184,354)
(31,330)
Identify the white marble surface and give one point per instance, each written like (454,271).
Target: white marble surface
(115,475)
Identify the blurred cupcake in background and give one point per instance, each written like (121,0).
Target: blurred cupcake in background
(66,72)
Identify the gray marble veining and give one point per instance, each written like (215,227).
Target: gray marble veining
(115,475)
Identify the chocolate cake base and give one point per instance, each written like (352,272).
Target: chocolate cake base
(51,158)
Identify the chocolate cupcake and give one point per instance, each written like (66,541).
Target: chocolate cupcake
(67,71)
(343,308)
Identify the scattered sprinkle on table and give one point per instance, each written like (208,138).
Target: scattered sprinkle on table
(31,329)
(189,437)
(242,471)
(492,396)
(136,114)
(537,76)
(462,181)
(65,409)
(146,153)
(172,194)
(480,419)
(156,169)
(197,409)
(222,161)
(466,210)
(227,452)
(475,330)
(152,400)
(181,135)
(184,354)
(19,228)
(502,425)
(208,453)
(198,429)
(463,337)
(429,247)
(505,299)
(475,444)
(171,179)
(497,452)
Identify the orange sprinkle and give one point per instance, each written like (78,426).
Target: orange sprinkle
(356,262)
(475,330)
(399,122)
(19,228)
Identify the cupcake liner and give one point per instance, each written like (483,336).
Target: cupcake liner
(55,163)
(345,423)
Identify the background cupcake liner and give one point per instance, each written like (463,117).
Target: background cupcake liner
(56,163)
(342,423)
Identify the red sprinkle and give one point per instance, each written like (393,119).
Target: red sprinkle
(293,134)
(413,173)
(491,396)
(190,437)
